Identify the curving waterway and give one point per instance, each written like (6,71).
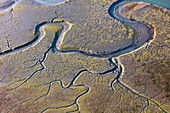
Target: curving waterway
(142,31)
(143,35)
(6,5)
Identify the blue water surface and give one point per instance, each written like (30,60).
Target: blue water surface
(163,3)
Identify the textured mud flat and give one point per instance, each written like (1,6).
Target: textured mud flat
(74,56)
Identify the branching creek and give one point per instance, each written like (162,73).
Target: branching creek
(115,11)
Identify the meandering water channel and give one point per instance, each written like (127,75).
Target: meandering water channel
(143,35)
(143,32)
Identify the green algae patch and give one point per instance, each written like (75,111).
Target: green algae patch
(131,33)
(58,20)
(53,28)
(37,34)
(67,47)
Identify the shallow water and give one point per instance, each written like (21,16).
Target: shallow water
(6,5)
(163,3)
(50,2)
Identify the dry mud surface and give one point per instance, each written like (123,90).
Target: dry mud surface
(84,56)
